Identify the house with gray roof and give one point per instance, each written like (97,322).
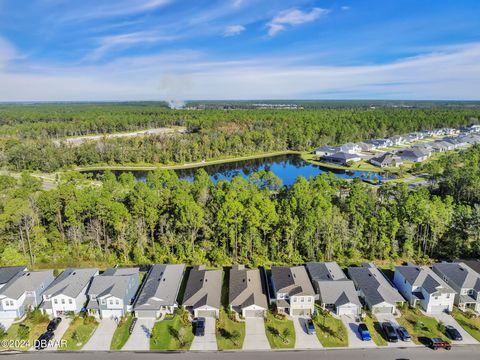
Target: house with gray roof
(159,292)
(68,292)
(421,286)
(375,289)
(341,158)
(386,160)
(247,291)
(203,292)
(111,293)
(464,280)
(350,148)
(335,292)
(442,146)
(8,272)
(23,292)
(413,154)
(292,290)
(326,150)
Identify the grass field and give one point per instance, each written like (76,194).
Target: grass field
(375,330)
(471,325)
(79,332)
(36,327)
(419,326)
(121,334)
(230,334)
(280,332)
(330,331)
(173,334)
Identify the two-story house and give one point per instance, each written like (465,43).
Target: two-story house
(68,292)
(247,292)
(111,294)
(464,280)
(420,285)
(292,290)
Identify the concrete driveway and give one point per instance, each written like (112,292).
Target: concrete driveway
(59,332)
(302,339)
(389,317)
(102,337)
(6,323)
(209,340)
(255,336)
(354,339)
(449,320)
(140,338)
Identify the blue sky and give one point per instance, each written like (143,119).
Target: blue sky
(239,49)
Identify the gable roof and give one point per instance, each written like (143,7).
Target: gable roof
(342,156)
(160,287)
(386,158)
(71,282)
(424,277)
(338,292)
(246,287)
(459,274)
(292,280)
(327,148)
(25,281)
(8,272)
(203,288)
(113,281)
(320,271)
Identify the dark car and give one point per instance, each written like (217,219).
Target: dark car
(42,341)
(437,343)
(200,327)
(403,334)
(390,332)
(310,327)
(453,333)
(52,325)
(363,332)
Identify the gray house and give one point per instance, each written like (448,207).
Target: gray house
(23,292)
(413,154)
(341,158)
(247,293)
(111,294)
(373,287)
(386,160)
(326,150)
(203,292)
(159,291)
(8,272)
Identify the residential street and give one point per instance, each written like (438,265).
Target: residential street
(255,336)
(102,337)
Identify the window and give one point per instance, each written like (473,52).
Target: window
(294,299)
(70,301)
(117,302)
(55,301)
(302,299)
(63,301)
(436,297)
(111,302)
(448,296)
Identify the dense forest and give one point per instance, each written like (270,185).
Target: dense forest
(27,132)
(254,221)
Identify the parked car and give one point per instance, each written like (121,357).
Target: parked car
(200,327)
(437,343)
(453,333)
(52,325)
(403,334)
(389,331)
(310,327)
(363,332)
(42,341)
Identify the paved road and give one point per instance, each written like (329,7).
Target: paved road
(209,340)
(102,337)
(464,353)
(255,337)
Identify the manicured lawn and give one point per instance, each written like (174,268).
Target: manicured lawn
(174,334)
(375,330)
(330,331)
(230,333)
(419,326)
(121,334)
(23,335)
(471,325)
(79,332)
(280,331)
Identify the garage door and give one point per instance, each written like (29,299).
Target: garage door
(383,310)
(106,314)
(347,310)
(297,312)
(438,308)
(254,313)
(146,314)
(8,314)
(206,313)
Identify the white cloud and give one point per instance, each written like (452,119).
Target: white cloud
(233,30)
(7,52)
(345,8)
(293,17)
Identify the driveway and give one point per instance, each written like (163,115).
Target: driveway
(449,320)
(389,317)
(255,337)
(209,340)
(102,337)
(140,337)
(302,339)
(59,332)
(354,340)
(6,323)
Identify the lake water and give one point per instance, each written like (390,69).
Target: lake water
(287,167)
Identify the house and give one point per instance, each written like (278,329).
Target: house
(8,272)
(335,292)
(425,147)
(414,154)
(365,146)
(203,292)
(23,292)
(442,146)
(386,160)
(398,140)
(292,290)
(421,286)
(341,158)
(68,292)
(159,292)
(326,150)
(111,293)
(350,148)
(375,289)
(247,292)
(381,143)
(464,280)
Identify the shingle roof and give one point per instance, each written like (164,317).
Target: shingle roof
(424,277)
(342,156)
(292,280)
(8,272)
(203,288)
(113,281)
(246,287)
(319,271)
(160,287)
(338,292)
(459,274)
(386,158)
(71,282)
(24,281)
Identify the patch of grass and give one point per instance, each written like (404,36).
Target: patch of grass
(330,331)
(26,332)
(420,326)
(121,334)
(174,334)
(375,330)
(469,322)
(280,331)
(79,332)
(230,333)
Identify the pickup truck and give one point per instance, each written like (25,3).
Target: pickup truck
(363,332)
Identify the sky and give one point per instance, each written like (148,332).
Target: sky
(99,50)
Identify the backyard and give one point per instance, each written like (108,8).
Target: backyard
(280,331)
(330,331)
(79,332)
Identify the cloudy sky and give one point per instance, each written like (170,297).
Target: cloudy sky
(239,49)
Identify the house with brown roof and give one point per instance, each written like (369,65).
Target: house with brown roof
(203,292)
(247,293)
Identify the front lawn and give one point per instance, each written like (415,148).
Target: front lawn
(375,330)
(79,332)
(121,334)
(173,334)
(420,326)
(470,323)
(230,333)
(330,331)
(22,336)
(280,331)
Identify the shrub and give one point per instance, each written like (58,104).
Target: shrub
(23,332)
